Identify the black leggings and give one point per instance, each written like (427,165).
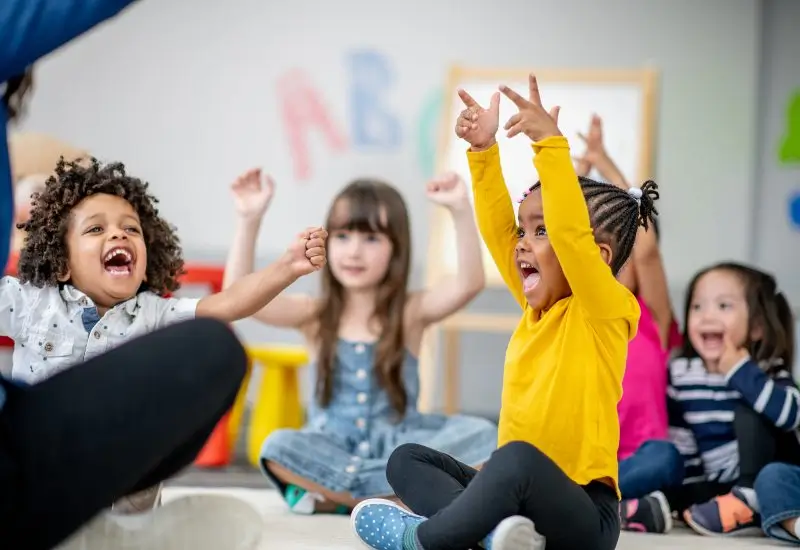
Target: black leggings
(464,505)
(118,423)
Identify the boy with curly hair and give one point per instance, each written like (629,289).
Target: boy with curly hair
(96,263)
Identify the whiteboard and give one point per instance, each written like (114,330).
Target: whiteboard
(623,99)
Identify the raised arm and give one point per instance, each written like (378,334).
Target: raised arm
(455,291)
(32,29)
(252,195)
(566,215)
(493,208)
(254,291)
(651,278)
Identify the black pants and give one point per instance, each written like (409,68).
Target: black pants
(760,443)
(118,423)
(464,505)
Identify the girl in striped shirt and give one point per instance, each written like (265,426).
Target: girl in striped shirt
(732,403)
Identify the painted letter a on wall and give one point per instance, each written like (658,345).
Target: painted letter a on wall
(303,110)
(373,127)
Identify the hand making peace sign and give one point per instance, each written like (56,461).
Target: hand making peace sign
(477,125)
(532,119)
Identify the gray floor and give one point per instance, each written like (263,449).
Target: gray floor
(286,530)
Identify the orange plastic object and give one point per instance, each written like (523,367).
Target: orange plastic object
(204,274)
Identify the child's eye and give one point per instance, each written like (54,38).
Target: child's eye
(340,235)
(541,231)
(133,229)
(724,305)
(94,229)
(372,237)
(695,307)
(520,232)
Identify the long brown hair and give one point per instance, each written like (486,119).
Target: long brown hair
(370,206)
(768,310)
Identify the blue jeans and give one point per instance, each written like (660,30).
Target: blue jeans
(656,465)
(778,490)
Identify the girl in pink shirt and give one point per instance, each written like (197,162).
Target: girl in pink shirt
(643,407)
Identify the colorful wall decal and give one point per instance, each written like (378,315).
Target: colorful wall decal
(428,132)
(303,110)
(373,126)
(790,145)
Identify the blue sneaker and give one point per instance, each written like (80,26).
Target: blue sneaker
(382,524)
(514,533)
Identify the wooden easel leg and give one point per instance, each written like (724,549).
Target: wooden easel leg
(427,369)
(452,381)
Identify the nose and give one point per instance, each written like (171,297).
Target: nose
(119,233)
(522,245)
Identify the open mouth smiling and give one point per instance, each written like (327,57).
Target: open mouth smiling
(530,276)
(118,262)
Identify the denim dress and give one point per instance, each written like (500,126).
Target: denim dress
(345,446)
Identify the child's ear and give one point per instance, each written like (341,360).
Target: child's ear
(605,252)
(64,277)
(757,332)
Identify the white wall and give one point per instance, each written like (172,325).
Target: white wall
(778,240)
(184,91)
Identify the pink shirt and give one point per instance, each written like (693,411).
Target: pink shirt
(643,408)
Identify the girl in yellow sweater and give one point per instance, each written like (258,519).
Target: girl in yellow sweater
(556,463)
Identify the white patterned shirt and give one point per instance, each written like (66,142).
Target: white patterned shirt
(54,329)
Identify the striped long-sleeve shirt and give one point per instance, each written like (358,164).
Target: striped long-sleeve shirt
(701,407)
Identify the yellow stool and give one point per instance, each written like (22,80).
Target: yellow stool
(277,403)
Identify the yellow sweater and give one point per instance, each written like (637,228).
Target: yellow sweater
(563,369)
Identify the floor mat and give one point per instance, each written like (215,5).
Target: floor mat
(292,532)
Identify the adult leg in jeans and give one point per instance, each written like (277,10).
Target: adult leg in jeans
(655,466)
(426,480)
(761,443)
(521,480)
(778,490)
(121,422)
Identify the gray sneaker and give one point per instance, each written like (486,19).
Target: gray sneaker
(137,503)
(197,522)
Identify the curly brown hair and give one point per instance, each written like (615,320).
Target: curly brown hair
(44,255)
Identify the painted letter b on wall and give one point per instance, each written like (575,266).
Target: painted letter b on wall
(373,126)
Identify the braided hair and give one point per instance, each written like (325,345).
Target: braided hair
(616,214)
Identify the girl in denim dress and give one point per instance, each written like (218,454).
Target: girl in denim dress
(365,332)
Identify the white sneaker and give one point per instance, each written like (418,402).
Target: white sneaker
(515,533)
(197,522)
(139,502)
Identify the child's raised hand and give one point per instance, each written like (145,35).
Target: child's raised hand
(448,190)
(532,119)
(476,125)
(306,254)
(731,356)
(595,150)
(252,193)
